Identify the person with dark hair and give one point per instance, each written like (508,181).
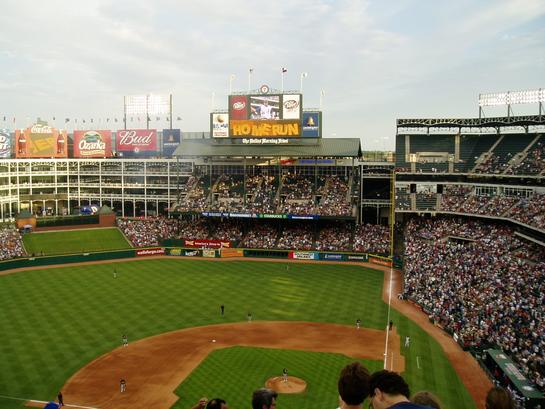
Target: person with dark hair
(427,399)
(499,398)
(353,386)
(264,398)
(216,403)
(388,390)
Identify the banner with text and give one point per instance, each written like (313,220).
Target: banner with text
(291,106)
(227,252)
(213,244)
(312,126)
(159,251)
(5,144)
(41,141)
(219,125)
(265,128)
(93,144)
(303,255)
(171,140)
(136,142)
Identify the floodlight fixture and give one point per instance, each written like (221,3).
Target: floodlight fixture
(534,96)
(148,105)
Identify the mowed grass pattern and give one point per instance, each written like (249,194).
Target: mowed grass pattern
(234,373)
(54,321)
(74,241)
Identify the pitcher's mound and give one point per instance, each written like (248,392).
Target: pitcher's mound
(293,385)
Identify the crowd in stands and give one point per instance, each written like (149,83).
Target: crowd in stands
(475,280)
(298,195)
(147,232)
(12,243)
(533,163)
(339,236)
(493,164)
(372,238)
(334,238)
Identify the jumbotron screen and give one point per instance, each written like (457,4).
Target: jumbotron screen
(260,116)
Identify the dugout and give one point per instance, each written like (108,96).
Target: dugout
(505,372)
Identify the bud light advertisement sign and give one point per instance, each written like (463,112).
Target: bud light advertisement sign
(5,144)
(93,144)
(171,140)
(136,142)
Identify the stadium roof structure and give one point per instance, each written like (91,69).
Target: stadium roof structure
(323,147)
(524,120)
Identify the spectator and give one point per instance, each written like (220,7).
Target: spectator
(499,398)
(426,399)
(264,398)
(353,386)
(389,390)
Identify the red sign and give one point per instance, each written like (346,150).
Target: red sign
(212,244)
(238,107)
(93,144)
(136,140)
(41,141)
(159,251)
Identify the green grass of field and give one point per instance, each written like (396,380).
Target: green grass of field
(74,241)
(55,321)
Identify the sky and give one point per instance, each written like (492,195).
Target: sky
(373,61)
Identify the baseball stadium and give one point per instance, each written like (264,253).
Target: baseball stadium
(151,268)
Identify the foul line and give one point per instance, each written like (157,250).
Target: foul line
(388,319)
(42,401)
(418,362)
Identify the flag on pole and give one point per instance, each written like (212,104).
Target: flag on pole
(251,70)
(284,70)
(304,74)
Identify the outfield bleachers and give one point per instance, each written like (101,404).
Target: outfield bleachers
(471,148)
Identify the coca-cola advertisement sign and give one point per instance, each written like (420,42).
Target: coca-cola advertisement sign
(136,140)
(93,144)
(41,141)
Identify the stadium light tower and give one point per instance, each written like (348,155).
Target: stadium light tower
(534,96)
(147,105)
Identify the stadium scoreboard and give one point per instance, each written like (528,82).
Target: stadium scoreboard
(265,114)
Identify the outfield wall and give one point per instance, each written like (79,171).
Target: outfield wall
(191,252)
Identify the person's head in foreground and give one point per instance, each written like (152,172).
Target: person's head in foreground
(388,389)
(353,385)
(264,398)
(426,398)
(499,398)
(216,403)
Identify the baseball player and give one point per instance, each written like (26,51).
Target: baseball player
(285,374)
(125,340)
(358,323)
(122,385)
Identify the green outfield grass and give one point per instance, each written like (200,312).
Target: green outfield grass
(234,373)
(55,321)
(74,241)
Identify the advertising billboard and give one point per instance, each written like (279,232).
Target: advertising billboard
(5,144)
(219,125)
(265,128)
(238,106)
(291,106)
(171,140)
(312,124)
(93,144)
(136,142)
(41,141)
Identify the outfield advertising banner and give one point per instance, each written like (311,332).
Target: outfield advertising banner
(158,251)
(362,257)
(304,255)
(219,124)
(213,244)
(5,144)
(227,253)
(41,141)
(291,106)
(380,261)
(136,142)
(210,253)
(93,144)
(337,257)
(171,140)
(312,125)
